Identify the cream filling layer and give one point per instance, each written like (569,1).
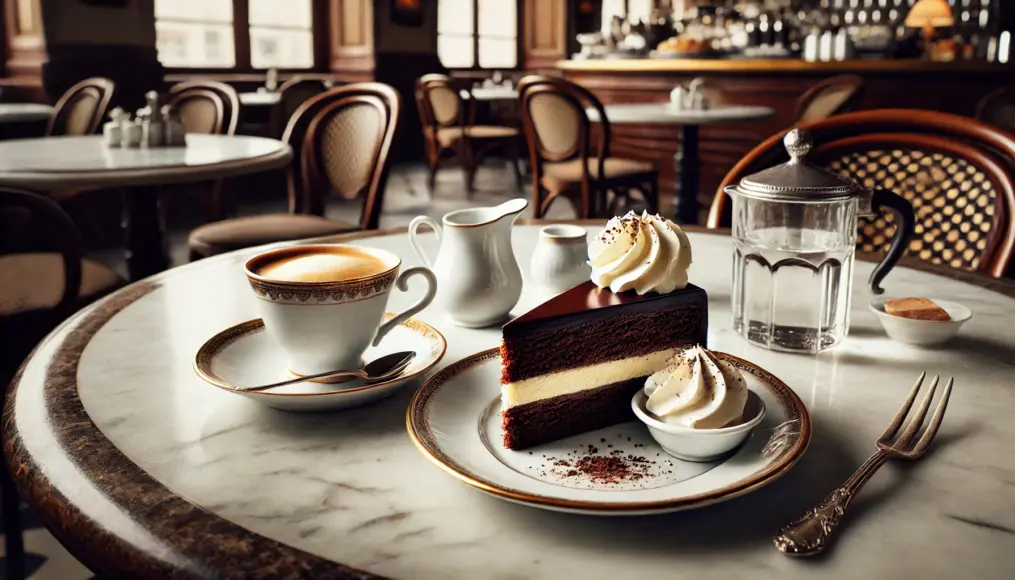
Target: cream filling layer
(583,378)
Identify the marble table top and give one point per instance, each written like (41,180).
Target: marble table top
(147,470)
(494,93)
(666,114)
(24,112)
(51,163)
(260,99)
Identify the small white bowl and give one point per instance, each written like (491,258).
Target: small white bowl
(699,445)
(922,332)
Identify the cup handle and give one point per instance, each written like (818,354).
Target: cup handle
(403,284)
(414,226)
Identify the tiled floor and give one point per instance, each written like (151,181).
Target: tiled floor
(405,198)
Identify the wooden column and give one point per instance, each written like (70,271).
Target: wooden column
(544,33)
(351,23)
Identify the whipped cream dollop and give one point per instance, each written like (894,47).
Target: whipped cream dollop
(644,253)
(697,390)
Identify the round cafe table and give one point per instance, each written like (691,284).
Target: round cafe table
(260,99)
(65,163)
(24,112)
(143,470)
(688,156)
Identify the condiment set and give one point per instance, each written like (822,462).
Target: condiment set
(152,126)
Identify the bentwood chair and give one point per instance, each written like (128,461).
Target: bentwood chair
(567,161)
(212,108)
(956,172)
(293,93)
(832,96)
(206,106)
(341,141)
(38,290)
(998,109)
(449,127)
(81,109)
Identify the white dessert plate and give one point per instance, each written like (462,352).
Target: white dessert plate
(927,333)
(245,356)
(454,420)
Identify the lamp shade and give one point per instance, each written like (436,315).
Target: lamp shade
(930,13)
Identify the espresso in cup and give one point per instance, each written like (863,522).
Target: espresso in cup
(324,304)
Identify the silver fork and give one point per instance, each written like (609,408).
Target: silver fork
(812,533)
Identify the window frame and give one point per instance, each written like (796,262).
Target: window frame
(241,43)
(475,42)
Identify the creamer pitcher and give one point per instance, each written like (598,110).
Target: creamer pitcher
(478,278)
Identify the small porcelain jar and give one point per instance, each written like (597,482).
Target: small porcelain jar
(560,260)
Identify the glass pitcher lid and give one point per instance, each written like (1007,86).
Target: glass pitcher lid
(797,180)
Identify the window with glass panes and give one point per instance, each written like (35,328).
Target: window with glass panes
(477,33)
(235,34)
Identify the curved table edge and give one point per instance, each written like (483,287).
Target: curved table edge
(192,530)
(48,181)
(201,544)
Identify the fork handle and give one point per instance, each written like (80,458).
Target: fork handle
(811,534)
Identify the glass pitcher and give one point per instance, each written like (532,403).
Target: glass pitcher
(794,237)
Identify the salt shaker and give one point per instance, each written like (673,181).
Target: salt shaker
(131,137)
(112,131)
(174,131)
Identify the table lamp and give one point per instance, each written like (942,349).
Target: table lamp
(928,15)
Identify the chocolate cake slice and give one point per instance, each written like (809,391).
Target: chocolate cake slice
(572,364)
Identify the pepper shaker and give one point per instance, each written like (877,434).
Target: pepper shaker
(174,130)
(153,133)
(131,137)
(112,130)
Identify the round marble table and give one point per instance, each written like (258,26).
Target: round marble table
(142,469)
(493,93)
(688,157)
(260,99)
(24,112)
(62,163)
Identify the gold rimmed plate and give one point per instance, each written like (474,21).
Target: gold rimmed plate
(245,356)
(454,420)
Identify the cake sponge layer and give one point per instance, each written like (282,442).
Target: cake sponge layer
(583,378)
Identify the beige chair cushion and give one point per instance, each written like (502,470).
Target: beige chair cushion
(225,236)
(449,135)
(557,122)
(35,281)
(614,167)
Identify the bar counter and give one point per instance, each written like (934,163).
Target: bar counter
(952,87)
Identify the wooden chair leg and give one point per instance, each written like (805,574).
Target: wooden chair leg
(215,208)
(14,541)
(651,193)
(512,153)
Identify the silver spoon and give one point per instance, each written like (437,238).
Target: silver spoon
(377,370)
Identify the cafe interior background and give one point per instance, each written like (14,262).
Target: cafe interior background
(251,64)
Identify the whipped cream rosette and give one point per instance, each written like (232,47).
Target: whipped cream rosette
(697,390)
(645,253)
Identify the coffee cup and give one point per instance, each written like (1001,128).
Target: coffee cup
(324,304)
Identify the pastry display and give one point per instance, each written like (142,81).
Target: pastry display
(683,45)
(572,364)
(916,309)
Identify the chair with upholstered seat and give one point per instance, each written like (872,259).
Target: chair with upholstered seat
(81,109)
(341,140)
(956,172)
(997,109)
(37,292)
(293,93)
(211,108)
(449,127)
(566,163)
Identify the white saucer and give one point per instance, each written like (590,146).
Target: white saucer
(454,420)
(245,356)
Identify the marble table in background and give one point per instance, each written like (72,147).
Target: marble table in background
(142,469)
(688,157)
(69,163)
(260,99)
(24,112)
